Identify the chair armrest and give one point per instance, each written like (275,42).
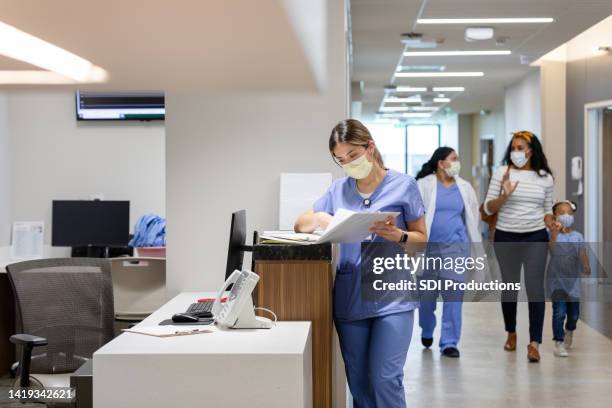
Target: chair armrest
(28,340)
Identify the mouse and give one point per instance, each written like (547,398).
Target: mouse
(184,318)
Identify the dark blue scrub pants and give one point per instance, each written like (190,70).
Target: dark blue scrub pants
(374,352)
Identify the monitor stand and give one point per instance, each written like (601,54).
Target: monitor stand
(90,251)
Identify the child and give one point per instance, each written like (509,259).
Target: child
(568,257)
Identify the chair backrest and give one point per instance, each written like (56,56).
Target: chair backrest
(139,286)
(69,301)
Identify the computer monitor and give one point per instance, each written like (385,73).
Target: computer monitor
(90,223)
(237,241)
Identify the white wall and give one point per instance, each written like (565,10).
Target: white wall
(553,94)
(226,152)
(537,103)
(449,132)
(5,174)
(55,157)
(522,105)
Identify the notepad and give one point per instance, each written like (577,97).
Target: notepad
(346,226)
(167,331)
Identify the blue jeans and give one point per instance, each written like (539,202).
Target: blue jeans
(564,309)
(374,352)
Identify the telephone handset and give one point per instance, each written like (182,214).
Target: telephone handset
(238,311)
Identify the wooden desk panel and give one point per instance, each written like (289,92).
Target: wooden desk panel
(7,324)
(302,290)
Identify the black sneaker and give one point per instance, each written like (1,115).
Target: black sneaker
(451,352)
(426,342)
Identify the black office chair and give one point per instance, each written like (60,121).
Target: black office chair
(64,314)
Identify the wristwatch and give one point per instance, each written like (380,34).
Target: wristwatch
(404,237)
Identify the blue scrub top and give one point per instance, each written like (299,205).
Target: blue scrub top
(448,224)
(448,234)
(396,192)
(565,265)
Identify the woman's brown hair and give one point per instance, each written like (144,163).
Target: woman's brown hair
(353,132)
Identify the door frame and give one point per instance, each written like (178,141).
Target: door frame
(593,182)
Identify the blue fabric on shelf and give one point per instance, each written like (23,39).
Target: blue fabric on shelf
(149,231)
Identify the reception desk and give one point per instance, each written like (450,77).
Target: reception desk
(267,368)
(296,283)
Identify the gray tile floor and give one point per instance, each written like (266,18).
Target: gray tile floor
(487,376)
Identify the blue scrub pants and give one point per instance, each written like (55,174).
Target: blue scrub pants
(374,352)
(451,322)
(451,315)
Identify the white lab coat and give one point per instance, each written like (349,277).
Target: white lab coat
(428,187)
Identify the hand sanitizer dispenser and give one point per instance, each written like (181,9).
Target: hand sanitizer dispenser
(577,174)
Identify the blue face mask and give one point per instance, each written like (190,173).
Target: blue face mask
(566,220)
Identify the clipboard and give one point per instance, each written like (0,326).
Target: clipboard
(167,331)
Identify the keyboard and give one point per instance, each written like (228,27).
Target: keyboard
(200,308)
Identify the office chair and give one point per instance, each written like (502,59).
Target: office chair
(139,287)
(64,314)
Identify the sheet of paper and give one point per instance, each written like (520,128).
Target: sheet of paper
(348,226)
(27,242)
(298,192)
(287,237)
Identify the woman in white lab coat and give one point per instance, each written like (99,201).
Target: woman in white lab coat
(452,219)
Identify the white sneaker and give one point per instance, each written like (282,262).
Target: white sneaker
(569,338)
(560,350)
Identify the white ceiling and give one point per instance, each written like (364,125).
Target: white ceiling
(224,45)
(377,26)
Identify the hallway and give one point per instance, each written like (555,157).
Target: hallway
(487,376)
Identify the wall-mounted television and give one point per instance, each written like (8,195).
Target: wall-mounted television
(120,105)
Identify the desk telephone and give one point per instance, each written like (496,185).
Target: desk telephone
(238,311)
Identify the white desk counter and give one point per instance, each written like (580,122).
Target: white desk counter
(234,368)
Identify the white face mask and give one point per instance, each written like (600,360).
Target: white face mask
(518,158)
(359,168)
(566,219)
(454,169)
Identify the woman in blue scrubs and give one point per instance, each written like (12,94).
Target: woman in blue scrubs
(452,221)
(374,336)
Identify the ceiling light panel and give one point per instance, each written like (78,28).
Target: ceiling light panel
(527,20)
(19,45)
(437,74)
(455,53)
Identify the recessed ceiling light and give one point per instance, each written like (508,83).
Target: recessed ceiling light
(22,46)
(448,89)
(420,68)
(441,100)
(411,99)
(404,88)
(454,53)
(485,20)
(424,108)
(437,74)
(395,109)
(406,115)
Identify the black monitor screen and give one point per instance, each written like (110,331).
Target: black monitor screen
(120,105)
(235,251)
(80,223)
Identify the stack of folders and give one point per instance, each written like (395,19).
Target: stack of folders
(345,226)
